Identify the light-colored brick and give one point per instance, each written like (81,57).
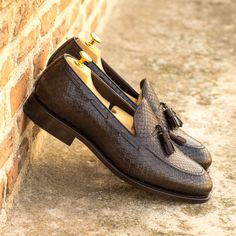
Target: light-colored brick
(18,92)
(103,8)
(78,26)
(40,2)
(25,9)
(59,33)
(75,14)
(6,147)
(2,111)
(64,4)
(4,34)
(94,24)
(6,71)
(48,19)
(27,43)
(89,7)
(5,3)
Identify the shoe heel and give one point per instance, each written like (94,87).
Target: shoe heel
(47,121)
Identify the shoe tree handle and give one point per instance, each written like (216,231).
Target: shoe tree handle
(91,49)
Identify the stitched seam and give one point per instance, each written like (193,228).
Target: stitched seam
(129,141)
(103,112)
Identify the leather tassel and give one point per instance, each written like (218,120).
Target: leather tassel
(165,140)
(177,139)
(173,120)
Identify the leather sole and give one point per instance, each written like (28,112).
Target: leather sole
(46,120)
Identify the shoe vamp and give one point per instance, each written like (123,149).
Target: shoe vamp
(177,160)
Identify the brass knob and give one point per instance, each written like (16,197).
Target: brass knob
(94,39)
(84,58)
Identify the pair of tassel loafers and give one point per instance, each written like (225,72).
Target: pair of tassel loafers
(135,135)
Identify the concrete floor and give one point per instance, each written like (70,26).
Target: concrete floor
(187,49)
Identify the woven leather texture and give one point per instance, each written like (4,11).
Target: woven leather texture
(139,156)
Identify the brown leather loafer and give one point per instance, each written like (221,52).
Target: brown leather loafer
(70,101)
(190,146)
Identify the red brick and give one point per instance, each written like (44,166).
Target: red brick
(4,34)
(6,147)
(18,92)
(2,191)
(27,43)
(6,71)
(22,122)
(64,4)
(48,19)
(24,11)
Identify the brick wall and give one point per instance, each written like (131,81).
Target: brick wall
(29,32)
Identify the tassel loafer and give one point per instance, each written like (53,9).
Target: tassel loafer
(70,101)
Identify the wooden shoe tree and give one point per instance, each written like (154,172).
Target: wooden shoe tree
(85,75)
(95,53)
(91,49)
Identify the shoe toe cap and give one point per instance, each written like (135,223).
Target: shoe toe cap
(202,185)
(200,155)
(196,185)
(184,177)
